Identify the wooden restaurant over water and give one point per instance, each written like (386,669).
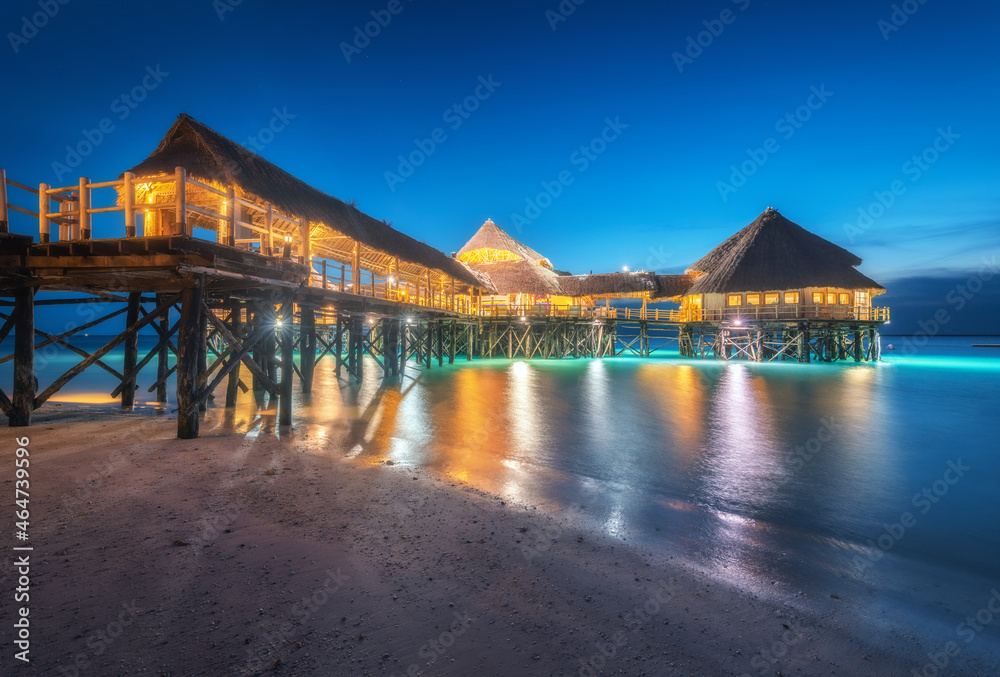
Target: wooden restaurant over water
(234,265)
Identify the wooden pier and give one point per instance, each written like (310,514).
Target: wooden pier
(236,271)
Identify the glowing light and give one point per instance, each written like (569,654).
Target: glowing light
(737,321)
(392,280)
(409,320)
(524,319)
(625,268)
(278,323)
(288,238)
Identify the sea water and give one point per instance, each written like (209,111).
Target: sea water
(874,484)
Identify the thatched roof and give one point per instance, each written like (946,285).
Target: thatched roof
(772,254)
(612,284)
(519,277)
(211,157)
(491,236)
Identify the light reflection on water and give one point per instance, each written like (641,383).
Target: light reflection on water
(725,463)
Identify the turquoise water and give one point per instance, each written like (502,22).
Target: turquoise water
(878,483)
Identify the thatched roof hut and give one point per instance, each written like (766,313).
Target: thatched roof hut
(212,158)
(772,253)
(511,266)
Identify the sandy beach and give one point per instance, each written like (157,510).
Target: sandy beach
(259,554)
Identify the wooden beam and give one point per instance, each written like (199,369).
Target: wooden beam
(25,384)
(81,231)
(131,353)
(261,328)
(44,225)
(180,206)
(128,199)
(4,227)
(232,388)
(164,340)
(188,340)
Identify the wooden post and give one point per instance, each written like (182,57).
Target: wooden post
(359,345)
(188,340)
(403,331)
(25,384)
(131,351)
(356,268)
(386,364)
(233,386)
(324,273)
(287,371)
(180,204)
(44,225)
(231,217)
(307,347)
(255,319)
(269,224)
(128,201)
(4,224)
(468,350)
(81,229)
(338,342)
(429,342)
(306,249)
(163,358)
(203,356)
(343,274)
(454,342)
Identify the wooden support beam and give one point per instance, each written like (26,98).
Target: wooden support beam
(404,330)
(81,230)
(128,383)
(261,330)
(180,206)
(188,341)
(25,385)
(235,321)
(203,351)
(44,224)
(164,340)
(128,201)
(232,208)
(287,363)
(163,354)
(338,340)
(307,347)
(453,340)
(429,338)
(4,223)
(440,342)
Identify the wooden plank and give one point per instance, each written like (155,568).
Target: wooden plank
(188,340)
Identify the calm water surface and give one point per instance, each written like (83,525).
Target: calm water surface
(780,475)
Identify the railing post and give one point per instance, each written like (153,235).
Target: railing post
(306,249)
(269,220)
(231,201)
(356,268)
(128,199)
(44,225)
(324,273)
(4,227)
(83,219)
(180,185)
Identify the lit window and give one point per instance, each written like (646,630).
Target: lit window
(736,299)
(771,299)
(861,299)
(818,298)
(792,298)
(843,300)
(753,299)
(831,299)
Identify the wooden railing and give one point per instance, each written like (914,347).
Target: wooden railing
(783,312)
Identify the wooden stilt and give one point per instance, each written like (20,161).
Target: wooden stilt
(429,342)
(25,384)
(454,334)
(307,347)
(404,331)
(440,342)
(287,370)
(233,386)
(188,340)
(131,348)
(203,355)
(338,344)
(163,355)
(470,347)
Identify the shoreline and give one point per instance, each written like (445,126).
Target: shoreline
(258,555)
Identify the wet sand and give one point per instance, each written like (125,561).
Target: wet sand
(265,554)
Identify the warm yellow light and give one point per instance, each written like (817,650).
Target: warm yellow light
(288,238)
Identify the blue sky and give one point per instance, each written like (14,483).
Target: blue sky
(656,195)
